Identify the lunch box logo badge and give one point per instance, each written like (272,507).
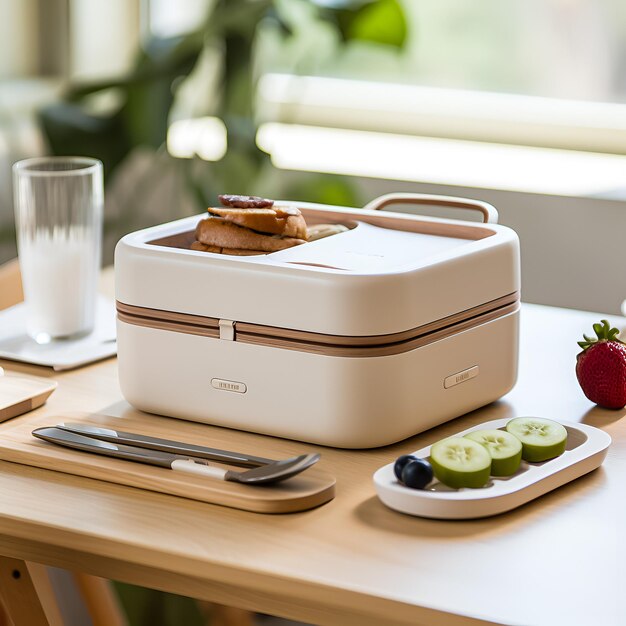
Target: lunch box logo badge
(228,385)
(461,377)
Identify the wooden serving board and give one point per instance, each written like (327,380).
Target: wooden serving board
(305,491)
(20,394)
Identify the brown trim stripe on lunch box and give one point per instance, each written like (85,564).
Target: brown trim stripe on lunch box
(318,343)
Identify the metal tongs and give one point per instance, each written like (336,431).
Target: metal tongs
(174,455)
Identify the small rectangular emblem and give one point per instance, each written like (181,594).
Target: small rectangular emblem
(228,385)
(461,377)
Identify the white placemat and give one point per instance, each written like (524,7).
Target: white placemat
(16,345)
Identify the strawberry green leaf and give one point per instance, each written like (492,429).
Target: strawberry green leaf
(604,333)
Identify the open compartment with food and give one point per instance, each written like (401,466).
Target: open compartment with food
(252,226)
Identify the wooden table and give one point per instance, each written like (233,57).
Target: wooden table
(556,561)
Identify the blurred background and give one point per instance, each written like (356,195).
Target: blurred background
(337,101)
(521,104)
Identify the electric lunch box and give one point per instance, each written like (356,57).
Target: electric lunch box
(356,340)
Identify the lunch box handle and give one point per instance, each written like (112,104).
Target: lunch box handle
(489,212)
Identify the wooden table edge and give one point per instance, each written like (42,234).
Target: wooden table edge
(261,592)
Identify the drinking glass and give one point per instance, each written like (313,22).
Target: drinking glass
(58,215)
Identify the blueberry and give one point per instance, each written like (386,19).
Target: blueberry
(417,473)
(401,461)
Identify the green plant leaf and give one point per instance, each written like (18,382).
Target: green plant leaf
(70,131)
(241,17)
(275,16)
(382,22)
(146,94)
(324,189)
(150,91)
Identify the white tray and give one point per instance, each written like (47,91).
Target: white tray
(16,345)
(585,451)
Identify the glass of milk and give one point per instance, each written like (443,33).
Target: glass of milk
(58,214)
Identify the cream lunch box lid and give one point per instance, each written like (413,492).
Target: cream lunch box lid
(390,273)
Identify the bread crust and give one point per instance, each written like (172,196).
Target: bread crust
(287,222)
(196,245)
(219,232)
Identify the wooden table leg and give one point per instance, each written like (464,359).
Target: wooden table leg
(102,603)
(220,615)
(4,617)
(27,594)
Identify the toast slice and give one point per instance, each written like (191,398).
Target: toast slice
(284,221)
(196,245)
(217,231)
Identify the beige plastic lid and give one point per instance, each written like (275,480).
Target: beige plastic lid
(391,272)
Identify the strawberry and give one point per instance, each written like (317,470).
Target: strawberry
(601,367)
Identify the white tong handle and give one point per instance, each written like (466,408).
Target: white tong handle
(489,212)
(199,468)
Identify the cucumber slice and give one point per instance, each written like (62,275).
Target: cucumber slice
(541,439)
(460,462)
(504,448)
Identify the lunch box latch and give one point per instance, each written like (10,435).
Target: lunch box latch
(227,330)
